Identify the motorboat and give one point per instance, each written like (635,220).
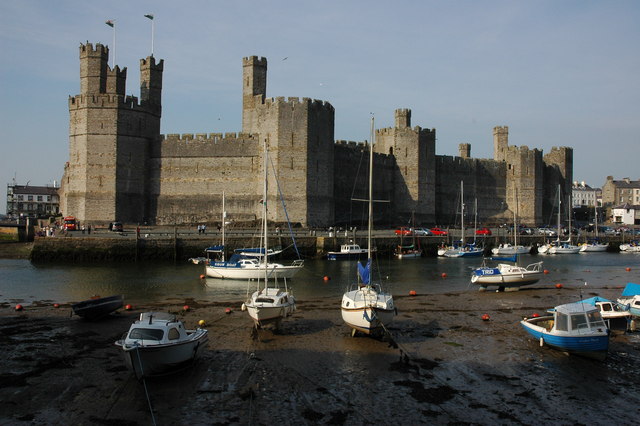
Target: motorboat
(631,299)
(615,314)
(268,303)
(407,252)
(575,328)
(240,267)
(97,307)
(507,249)
(348,251)
(365,306)
(158,343)
(593,246)
(506,276)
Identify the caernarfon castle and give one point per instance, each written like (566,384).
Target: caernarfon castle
(121,168)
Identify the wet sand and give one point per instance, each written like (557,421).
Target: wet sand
(447,366)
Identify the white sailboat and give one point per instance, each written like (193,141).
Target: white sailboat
(365,306)
(595,245)
(268,304)
(558,246)
(463,250)
(507,249)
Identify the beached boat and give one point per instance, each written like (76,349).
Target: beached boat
(631,299)
(158,343)
(349,251)
(615,314)
(268,304)
(365,306)
(575,328)
(506,276)
(97,307)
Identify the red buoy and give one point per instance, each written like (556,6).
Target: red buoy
(128,307)
(55,305)
(546,271)
(412,293)
(326,278)
(535,315)
(486,317)
(202,276)
(186,308)
(19,307)
(444,275)
(627,269)
(558,285)
(227,311)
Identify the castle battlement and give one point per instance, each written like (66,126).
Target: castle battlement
(254,60)
(89,48)
(151,62)
(110,100)
(293,101)
(207,137)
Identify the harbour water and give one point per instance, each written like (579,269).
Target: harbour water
(22,281)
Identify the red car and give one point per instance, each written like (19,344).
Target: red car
(438,231)
(403,231)
(483,231)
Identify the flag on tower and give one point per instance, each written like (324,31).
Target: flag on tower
(149,16)
(110,23)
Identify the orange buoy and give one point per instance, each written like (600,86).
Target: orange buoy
(486,317)
(326,278)
(535,315)
(546,271)
(627,269)
(128,307)
(55,305)
(412,293)
(186,308)
(444,275)
(558,285)
(202,276)
(19,307)
(227,311)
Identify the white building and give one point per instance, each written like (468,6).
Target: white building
(583,195)
(626,214)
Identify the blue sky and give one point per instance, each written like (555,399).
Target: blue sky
(558,73)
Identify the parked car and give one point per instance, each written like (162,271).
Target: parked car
(483,231)
(421,231)
(548,232)
(403,231)
(438,231)
(116,227)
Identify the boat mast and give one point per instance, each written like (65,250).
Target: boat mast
(559,210)
(369,230)
(264,214)
(462,213)
(224,215)
(515,217)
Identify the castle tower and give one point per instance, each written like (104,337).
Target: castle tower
(464,150)
(151,84)
(500,142)
(403,118)
(254,90)
(109,137)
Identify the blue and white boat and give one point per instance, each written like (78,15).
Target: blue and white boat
(349,251)
(631,299)
(616,315)
(506,276)
(575,328)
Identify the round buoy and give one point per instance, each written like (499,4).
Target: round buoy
(227,311)
(444,275)
(19,307)
(326,278)
(55,305)
(486,317)
(201,323)
(558,285)
(546,271)
(535,315)
(186,308)
(627,269)
(128,307)
(412,293)
(202,276)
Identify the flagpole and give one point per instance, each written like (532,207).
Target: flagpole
(112,24)
(150,17)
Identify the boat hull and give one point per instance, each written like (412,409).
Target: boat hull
(154,360)
(593,248)
(253,273)
(510,250)
(94,309)
(588,345)
(507,275)
(270,306)
(366,310)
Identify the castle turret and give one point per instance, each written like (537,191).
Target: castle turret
(151,83)
(464,150)
(93,69)
(500,142)
(254,90)
(403,118)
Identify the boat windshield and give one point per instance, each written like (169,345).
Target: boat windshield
(595,319)
(264,300)
(146,334)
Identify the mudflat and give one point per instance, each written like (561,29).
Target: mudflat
(444,364)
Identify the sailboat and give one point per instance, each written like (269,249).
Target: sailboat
(268,304)
(594,245)
(507,249)
(463,250)
(507,276)
(409,251)
(558,246)
(244,265)
(365,306)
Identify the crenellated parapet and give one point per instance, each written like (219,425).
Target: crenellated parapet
(105,100)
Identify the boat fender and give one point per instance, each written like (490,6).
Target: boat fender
(243,307)
(541,341)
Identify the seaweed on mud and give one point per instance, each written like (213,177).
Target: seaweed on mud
(436,395)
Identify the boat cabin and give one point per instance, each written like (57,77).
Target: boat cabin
(155,328)
(577,318)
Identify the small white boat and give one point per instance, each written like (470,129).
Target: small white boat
(507,276)
(631,299)
(407,252)
(615,314)
(349,251)
(507,249)
(97,307)
(158,343)
(575,328)
(198,260)
(593,246)
(238,268)
(632,247)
